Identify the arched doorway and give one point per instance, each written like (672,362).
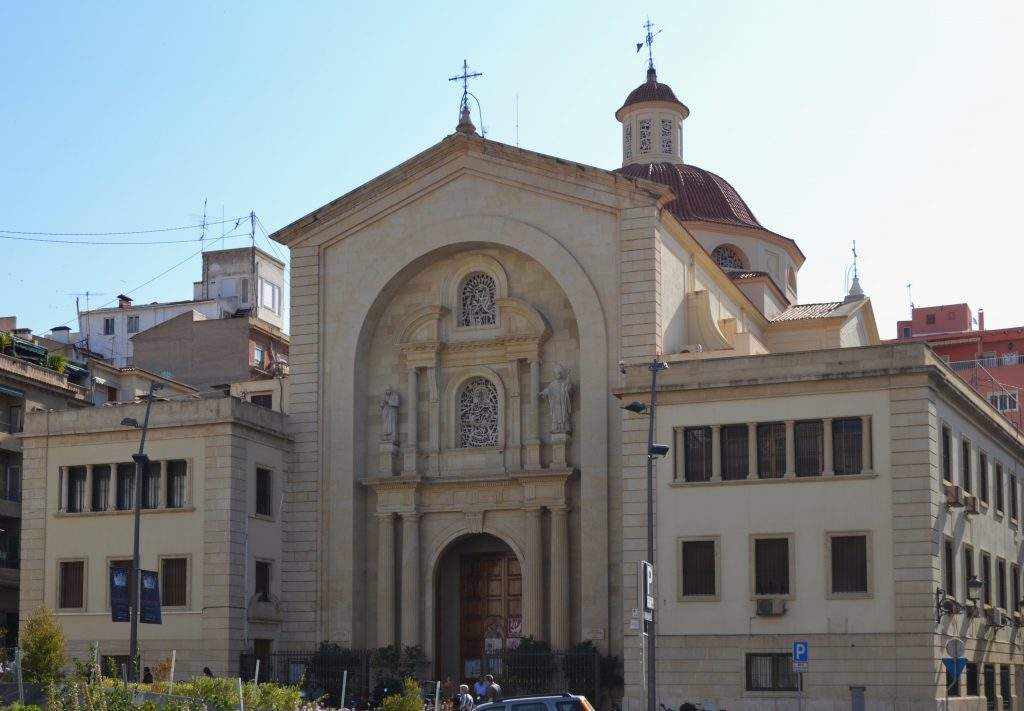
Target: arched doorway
(479,605)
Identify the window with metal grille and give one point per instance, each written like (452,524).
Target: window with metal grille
(76,490)
(151,486)
(125,487)
(948,569)
(177,479)
(697,451)
(771,450)
(262,589)
(735,464)
(698,575)
(990,686)
(965,464)
(983,476)
(847,448)
(1004,685)
(72,584)
(1001,583)
(1015,586)
(849,564)
(262,400)
(100,487)
(986,578)
(174,582)
(947,464)
(108,327)
(126,564)
(997,484)
(809,436)
(968,569)
(972,679)
(264,492)
(1013,496)
(771,566)
(771,672)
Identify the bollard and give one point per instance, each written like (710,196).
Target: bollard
(21,682)
(170,679)
(241,696)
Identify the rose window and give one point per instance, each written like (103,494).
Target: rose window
(476,301)
(478,414)
(728,257)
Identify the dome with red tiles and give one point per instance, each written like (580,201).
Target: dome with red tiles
(700,195)
(653,90)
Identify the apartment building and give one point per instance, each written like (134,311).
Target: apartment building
(844,498)
(211,525)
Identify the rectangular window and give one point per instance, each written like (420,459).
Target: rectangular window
(849,564)
(133,324)
(111,393)
(972,679)
(771,450)
(72,585)
(1015,587)
(125,487)
(108,326)
(997,484)
(809,441)
(968,569)
(1001,583)
(151,486)
(983,476)
(771,566)
(1005,401)
(986,578)
(734,452)
(1004,685)
(262,400)
(697,453)
(698,568)
(245,290)
(948,568)
(989,670)
(174,582)
(16,423)
(270,296)
(847,449)
(177,478)
(771,672)
(264,492)
(947,453)
(1013,495)
(10,483)
(100,487)
(258,356)
(262,580)
(76,490)
(965,464)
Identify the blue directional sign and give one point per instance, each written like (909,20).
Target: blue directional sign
(801,651)
(955,666)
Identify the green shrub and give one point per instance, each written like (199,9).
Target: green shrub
(408,700)
(58,362)
(222,693)
(21,707)
(42,647)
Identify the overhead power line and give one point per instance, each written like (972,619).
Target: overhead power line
(104,242)
(128,232)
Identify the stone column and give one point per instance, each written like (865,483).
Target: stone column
(412,414)
(385,580)
(560,575)
(533,585)
(752,449)
(411,602)
(513,451)
(865,443)
(790,448)
(533,422)
(434,433)
(716,453)
(826,439)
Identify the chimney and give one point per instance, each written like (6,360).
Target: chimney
(25,333)
(981,319)
(61,333)
(123,302)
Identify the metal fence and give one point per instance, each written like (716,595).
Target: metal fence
(518,673)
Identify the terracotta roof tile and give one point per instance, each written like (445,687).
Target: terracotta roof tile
(652,90)
(800,312)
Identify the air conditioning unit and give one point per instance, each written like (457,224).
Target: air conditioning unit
(771,607)
(996,618)
(954,496)
(971,505)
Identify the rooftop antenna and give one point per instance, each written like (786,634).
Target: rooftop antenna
(910,297)
(466,93)
(517,120)
(855,291)
(78,311)
(649,41)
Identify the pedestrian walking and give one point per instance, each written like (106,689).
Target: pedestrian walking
(493,692)
(464,701)
(480,690)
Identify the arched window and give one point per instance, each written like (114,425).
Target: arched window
(476,301)
(728,257)
(478,414)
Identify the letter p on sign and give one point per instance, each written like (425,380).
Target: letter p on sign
(800,652)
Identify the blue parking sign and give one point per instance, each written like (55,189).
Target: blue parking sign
(801,652)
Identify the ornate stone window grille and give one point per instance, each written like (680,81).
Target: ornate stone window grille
(476,301)
(627,140)
(478,414)
(728,257)
(666,136)
(645,136)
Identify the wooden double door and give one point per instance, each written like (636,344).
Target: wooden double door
(490,609)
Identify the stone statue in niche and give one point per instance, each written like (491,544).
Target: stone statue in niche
(559,396)
(389,416)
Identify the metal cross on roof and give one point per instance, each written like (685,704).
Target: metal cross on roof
(464,78)
(648,40)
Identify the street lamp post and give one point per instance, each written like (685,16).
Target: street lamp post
(653,452)
(141,467)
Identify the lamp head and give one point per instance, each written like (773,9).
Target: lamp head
(636,407)
(658,450)
(974,587)
(130,422)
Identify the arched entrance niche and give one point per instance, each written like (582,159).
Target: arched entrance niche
(478,589)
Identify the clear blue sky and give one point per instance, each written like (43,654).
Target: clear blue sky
(897,124)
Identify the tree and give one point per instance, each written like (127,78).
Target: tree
(43,649)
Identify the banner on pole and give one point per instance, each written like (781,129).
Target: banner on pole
(120,596)
(150,605)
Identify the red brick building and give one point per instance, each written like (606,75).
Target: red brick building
(991,360)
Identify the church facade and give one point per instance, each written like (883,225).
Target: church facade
(458,325)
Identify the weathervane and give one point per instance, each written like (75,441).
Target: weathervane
(649,41)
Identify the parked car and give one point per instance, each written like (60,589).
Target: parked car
(555,702)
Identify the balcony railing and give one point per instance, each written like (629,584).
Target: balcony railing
(1008,359)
